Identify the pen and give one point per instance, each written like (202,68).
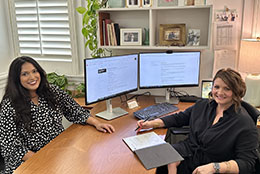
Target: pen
(143,122)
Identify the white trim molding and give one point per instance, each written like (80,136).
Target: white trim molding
(3,80)
(75,78)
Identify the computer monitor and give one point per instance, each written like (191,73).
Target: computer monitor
(169,69)
(108,77)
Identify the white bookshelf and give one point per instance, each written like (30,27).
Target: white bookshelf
(195,17)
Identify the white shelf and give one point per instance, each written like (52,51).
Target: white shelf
(194,17)
(142,47)
(154,8)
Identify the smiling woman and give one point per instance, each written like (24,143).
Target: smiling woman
(32,111)
(30,79)
(209,147)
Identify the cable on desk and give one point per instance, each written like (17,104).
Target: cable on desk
(177,94)
(134,96)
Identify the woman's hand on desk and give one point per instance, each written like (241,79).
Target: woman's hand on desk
(103,127)
(28,155)
(142,124)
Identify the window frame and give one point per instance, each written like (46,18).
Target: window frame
(49,59)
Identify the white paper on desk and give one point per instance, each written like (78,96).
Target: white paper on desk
(224,59)
(143,141)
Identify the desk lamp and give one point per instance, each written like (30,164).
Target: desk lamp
(249,62)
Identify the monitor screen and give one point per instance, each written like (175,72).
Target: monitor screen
(177,69)
(108,77)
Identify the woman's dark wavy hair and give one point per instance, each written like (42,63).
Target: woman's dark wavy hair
(235,82)
(20,96)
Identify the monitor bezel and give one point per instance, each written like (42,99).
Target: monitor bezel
(115,95)
(168,86)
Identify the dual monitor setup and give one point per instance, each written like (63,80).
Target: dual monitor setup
(108,77)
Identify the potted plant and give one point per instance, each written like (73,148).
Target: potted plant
(62,82)
(89,22)
(58,80)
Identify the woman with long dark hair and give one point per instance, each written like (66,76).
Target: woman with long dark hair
(32,110)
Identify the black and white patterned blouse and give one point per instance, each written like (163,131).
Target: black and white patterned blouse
(46,125)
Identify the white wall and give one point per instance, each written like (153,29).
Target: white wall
(6,49)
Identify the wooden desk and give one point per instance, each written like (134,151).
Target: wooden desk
(83,150)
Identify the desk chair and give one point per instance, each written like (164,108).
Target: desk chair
(175,134)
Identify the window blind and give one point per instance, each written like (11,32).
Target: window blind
(43,28)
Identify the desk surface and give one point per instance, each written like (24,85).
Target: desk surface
(82,149)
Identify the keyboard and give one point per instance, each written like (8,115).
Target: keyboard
(155,111)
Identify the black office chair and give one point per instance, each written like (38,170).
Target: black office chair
(175,134)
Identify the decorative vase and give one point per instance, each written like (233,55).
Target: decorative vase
(116,3)
(146,34)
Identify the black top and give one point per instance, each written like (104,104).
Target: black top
(46,125)
(234,137)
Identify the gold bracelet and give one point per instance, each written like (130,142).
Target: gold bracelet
(228,166)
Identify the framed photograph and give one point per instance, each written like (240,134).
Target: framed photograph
(193,38)
(206,86)
(166,3)
(146,3)
(172,35)
(131,36)
(133,3)
(190,2)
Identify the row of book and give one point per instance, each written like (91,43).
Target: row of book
(108,30)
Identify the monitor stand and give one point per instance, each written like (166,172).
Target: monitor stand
(111,113)
(167,98)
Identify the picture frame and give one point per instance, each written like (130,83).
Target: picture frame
(172,35)
(133,3)
(193,37)
(206,87)
(190,2)
(131,36)
(167,3)
(147,3)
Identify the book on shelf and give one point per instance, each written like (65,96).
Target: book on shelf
(152,150)
(117,32)
(102,17)
(107,38)
(113,34)
(108,35)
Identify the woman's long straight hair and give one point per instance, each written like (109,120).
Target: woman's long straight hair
(20,97)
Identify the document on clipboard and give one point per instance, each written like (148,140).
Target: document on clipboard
(152,150)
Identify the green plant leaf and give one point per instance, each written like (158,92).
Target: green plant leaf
(91,47)
(81,10)
(84,32)
(85,19)
(89,29)
(96,6)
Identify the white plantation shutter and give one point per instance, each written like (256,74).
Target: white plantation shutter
(43,28)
